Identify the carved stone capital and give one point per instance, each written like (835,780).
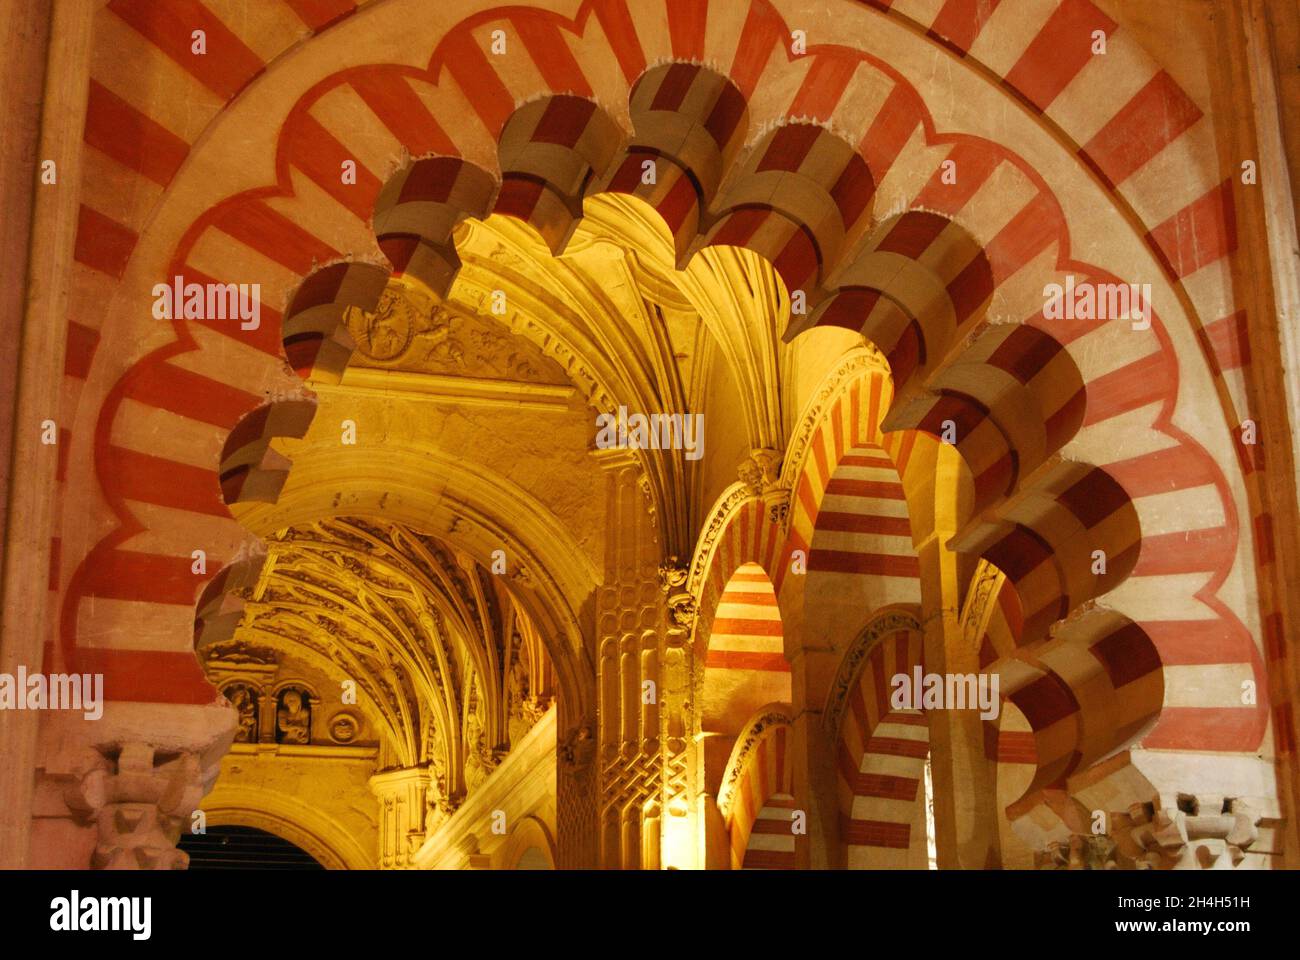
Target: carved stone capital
(144,799)
(761,470)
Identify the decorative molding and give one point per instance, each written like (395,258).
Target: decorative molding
(448,388)
(852,366)
(773,715)
(888,620)
(719,517)
(981,600)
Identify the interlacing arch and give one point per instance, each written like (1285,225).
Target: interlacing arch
(840,185)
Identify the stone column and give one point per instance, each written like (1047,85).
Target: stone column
(401,795)
(630,615)
(965,811)
(44,59)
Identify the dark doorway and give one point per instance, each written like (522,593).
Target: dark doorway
(244,848)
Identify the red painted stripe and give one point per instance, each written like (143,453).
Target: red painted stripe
(1188,551)
(265,338)
(555,61)
(1229,341)
(678,202)
(150,479)
(1154,118)
(762,31)
(318,153)
(1264,547)
(102,243)
(747,660)
(148,676)
(225,68)
(1174,468)
(146,577)
(65,445)
(319,14)
(861,523)
(893,127)
(975,163)
(876,564)
(1060,50)
(686,19)
(1016,747)
(898,746)
(736,595)
(1186,642)
(273,235)
(1201,233)
(960,21)
(1208,728)
(188,394)
(82,342)
(477,78)
(773,827)
(620,31)
(1141,382)
(866,460)
(768,860)
(746,626)
(397,106)
(878,833)
(823,86)
(885,786)
(1028,234)
(132,138)
(884,490)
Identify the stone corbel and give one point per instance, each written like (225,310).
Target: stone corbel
(1181,840)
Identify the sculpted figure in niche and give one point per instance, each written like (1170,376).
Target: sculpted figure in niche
(244,701)
(293,718)
(525,710)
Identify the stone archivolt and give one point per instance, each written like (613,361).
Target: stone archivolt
(812,286)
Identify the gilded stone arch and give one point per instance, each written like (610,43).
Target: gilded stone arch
(1152,414)
(756,796)
(332,844)
(530,846)
(883,745)
(743,666)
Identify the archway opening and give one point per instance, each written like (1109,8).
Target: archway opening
(745,666)
(237,847)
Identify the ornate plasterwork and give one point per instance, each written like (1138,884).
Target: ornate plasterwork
(855,364)
(409,331)
(716,523)
(980,600)
(774,715)
(886,622)
(447,665)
